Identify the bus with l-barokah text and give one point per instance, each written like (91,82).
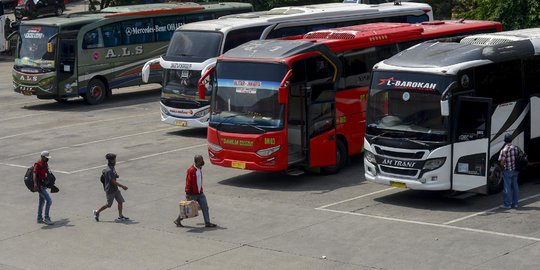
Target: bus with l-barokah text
(89,54)
(284,105)
(194,47)
(438,113)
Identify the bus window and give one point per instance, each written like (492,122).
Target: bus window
(532,78)
(92,39)
(111,35)
(320,27)
(199,17)
(287,32)
(166,26)
(318,71)
(500,81)
(416,19)
(241,36)
(137,31)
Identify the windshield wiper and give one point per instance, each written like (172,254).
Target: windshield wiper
(254,126)
(416,141)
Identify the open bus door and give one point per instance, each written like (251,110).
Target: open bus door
(470,150)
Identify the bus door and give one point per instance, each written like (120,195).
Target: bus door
(470,150)
(67,63)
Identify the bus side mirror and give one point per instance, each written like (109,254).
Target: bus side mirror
(283,93)
(200,85)
(50,47)
(145,73)
(445,108)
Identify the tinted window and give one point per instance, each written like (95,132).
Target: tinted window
(92,40)
(199,17)
(137,31)
(532,75)
(241,36)
(166,26)
(500,81)
(111,35)
(194,44)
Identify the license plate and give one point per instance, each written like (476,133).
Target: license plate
(181,123)
(185,73)
(398,184)
(238,165)
(27,92)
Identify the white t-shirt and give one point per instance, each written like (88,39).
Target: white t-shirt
(199,178)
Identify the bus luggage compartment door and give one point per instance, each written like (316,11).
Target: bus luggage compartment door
(470,149)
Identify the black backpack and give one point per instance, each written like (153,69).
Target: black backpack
(522,160)
(29,178)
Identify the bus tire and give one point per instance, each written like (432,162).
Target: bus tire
(341,159)
(495,177)
(96,92)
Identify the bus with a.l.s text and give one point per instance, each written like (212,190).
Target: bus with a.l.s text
(285,104)
(438,113)
(194,47)
(88,54)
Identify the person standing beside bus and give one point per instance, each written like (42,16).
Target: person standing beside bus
(508,158)
(194,190)
(41,169)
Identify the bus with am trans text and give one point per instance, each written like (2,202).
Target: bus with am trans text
(438,112)
(281,105)
(88,54)
(194,46)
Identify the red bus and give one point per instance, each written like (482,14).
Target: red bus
(284,105)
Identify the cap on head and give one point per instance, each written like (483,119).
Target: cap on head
(110,156)
(45,154)
(507,137)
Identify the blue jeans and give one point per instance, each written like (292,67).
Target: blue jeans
(44,197)
(511,189)
(201,199)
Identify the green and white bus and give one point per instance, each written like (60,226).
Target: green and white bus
(88,54)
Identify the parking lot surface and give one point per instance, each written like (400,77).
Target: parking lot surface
(265,220)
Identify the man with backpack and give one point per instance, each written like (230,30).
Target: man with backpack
(39,175)
(109,178)
(508,158)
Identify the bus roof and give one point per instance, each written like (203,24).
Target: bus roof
(309,12)
(481,49)
(89,17)
(345,38)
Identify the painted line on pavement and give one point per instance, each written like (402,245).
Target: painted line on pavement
(21,166)
(355,198)
(486,211)
(435,225)
(74,125)
(92,142)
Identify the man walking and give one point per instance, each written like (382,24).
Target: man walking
(508,158)
(194,190)
(41,169)
(110,185)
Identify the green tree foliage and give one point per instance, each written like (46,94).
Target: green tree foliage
(513,14)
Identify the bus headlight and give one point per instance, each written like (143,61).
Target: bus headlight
(370,157)
(432,164)
(214,147)
(202,113)
(268,151)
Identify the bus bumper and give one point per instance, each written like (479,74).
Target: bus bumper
(41,85)
(434,180)
(248,161)
(189,118)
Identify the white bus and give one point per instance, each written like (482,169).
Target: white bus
(194,46)
(438,112)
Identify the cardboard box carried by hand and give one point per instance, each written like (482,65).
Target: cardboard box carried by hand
(189,209)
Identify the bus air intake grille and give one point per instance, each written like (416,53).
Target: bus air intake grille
(488,41)
(416,155)
(406,172)
(182,104)
(317,35)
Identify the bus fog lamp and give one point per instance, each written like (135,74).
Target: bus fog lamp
(432,164)
(214,147)
(268,151)
(370,157)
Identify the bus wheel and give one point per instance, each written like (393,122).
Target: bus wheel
(495,178)
(58,11)
(341,159)
(96,92)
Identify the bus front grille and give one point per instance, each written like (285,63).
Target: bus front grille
(396,171)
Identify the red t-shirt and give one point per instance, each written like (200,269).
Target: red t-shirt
(41,168)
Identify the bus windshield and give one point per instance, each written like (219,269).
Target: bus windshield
(246,94)
(407,104)
(193,46)
(32,49)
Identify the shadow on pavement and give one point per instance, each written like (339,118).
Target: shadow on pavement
(57,224)
(189,132)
